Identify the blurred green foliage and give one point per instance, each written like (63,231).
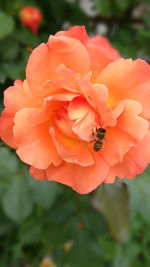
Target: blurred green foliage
(45,219)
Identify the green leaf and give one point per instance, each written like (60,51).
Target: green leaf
(44,192)
(108,246)
(90,217)
(62,210)
(145,33)
(3,76)
(124,40)
(58,8)
(140,194)
(5,226)
(12,70)
(85,252)
(122,4)
(9,49)
(127,254)
(67,231)
(30,233)
(147,18)
(6,24)
(26,37)
(77,15)
(17,201)
(103,7)
(8,163)
(112,201)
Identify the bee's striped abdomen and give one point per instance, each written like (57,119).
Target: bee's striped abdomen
(97,146)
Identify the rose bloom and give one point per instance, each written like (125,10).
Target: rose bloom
(75,84)
(30,17)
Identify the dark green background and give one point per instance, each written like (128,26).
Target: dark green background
(42,219)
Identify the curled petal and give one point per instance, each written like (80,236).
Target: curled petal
(61,97)
(117,109)
(70,150)
(129,130)
(97,95)
(134,162)
(116,145)
(127,79)
(131,122)
(83,116)
(63,123)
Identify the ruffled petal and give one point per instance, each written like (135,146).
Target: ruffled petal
(134,162)
(97,95)
(100,51)
(45,59)
(129,130)
(117,143)
(81,179)
(127,79)
(71,150)
(21,95)
(131,122)
(35,146)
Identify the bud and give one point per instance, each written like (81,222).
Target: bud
(30,17)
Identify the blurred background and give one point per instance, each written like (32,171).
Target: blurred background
(46,224)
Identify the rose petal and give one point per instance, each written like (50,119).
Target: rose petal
(70,150)
(117,143)
(99,48)
(129,130)
(6,128)
(35,146)
(21,96)
(45,59)
(77,32)
(100,58)
(105,47)
(134,162)
(81,179)
(63,123)
(38,174)
(84,118)
(97,95)
(130,122)
(127,79)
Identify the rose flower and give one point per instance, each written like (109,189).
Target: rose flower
(30,17)
(81,117)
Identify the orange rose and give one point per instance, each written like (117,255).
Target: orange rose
(30,17)
(79,118)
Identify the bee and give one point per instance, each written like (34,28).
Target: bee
(99,137)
